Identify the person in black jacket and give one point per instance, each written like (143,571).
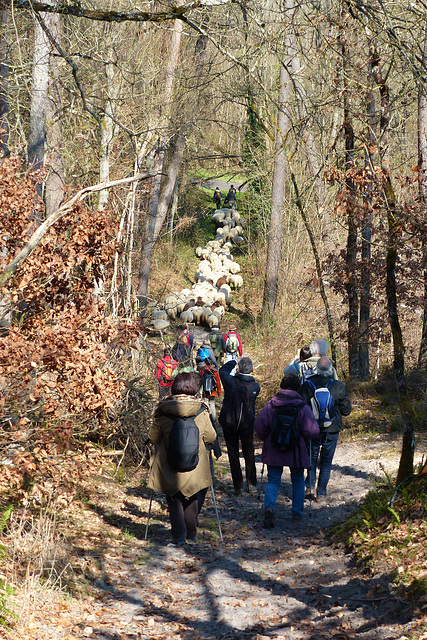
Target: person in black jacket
(237,419)
(230,198)
(325,444)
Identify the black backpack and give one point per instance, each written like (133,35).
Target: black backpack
(209,382)
(183,447)
(285,432)
(242,403)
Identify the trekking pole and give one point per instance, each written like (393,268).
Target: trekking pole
(149,514)
(260,484)
(310,478)
(216,511)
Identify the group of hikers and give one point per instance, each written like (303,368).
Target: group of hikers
(299,426)
(230,198)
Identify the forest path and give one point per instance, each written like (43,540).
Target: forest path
(289,582)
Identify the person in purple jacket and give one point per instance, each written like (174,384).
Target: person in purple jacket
(297,459)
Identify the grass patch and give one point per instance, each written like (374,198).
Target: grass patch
(389,533)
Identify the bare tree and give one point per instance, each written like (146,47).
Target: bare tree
(275,232)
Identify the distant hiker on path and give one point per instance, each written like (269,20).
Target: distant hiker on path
(211,386)
(230,198)
(318,348)
(183,489)
(182,352)
(329,400)
(233,344)
(217,343)
(217,197)
(285,443)
(164,373)
(188,335)
(237,419)
(296,365)
(205,351)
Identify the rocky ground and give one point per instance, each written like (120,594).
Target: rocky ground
(289,582)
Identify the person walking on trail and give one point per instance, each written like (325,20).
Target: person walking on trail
(237,417)
(217,343)
(211,385)
(318,348)
(297,363)
(230,198)
(185,331)
(205,351)
(329,400)
(184,490)
(182,352)
(164,373)
(278,452)
(217,197)
(233,344)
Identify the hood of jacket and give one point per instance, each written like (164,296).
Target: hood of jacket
(179,406)
(286,396)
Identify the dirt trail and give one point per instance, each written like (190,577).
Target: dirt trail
(284,583)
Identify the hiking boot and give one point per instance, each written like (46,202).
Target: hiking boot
(296,517)
(309,495)
(268,519)
(322,499)
(238,492)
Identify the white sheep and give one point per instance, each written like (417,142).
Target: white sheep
(160,314)
(197,314)
(186,316)
(236,280)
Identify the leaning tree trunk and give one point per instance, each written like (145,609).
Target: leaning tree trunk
(274,237)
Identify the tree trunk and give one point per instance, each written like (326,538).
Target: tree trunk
(4,83)
(106,124)
(39,94)
(54,184)
(274,237)
(422,183)
(365,277)
(154,220)
(351,255)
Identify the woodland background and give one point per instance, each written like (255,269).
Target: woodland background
(112,119)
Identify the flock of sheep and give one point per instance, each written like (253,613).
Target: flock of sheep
(216,275)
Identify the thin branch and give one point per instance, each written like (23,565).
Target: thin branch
(65,208)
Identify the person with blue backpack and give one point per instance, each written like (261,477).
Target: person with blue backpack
(329,401)
(205,352)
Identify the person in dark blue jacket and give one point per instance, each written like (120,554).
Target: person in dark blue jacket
(237,419)
(324,445)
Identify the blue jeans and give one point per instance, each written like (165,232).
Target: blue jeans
(325,444)
(274,475)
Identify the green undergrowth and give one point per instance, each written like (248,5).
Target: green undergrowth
(388,535)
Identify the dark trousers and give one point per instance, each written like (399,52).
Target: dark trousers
(183,514)
(233,439)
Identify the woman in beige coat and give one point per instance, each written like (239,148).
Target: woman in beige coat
(181,488)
